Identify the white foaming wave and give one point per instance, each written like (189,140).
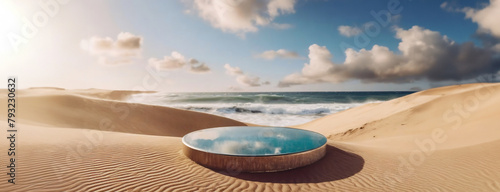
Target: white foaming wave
(256,113)
(268,114)
(292,109)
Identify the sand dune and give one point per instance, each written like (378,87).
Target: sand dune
(464,114)
(439,139)
(68,109)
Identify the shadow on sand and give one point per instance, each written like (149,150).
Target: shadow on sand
(336,165)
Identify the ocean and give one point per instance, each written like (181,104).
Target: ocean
(267,108)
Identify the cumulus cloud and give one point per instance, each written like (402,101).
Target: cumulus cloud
(178,61)
(242,78)
(280,53)
(349,31)
(233,70)
(242,16)
(424,54)
(487,40)
(174,61)
(197,67)
(486,17)
(449,7)
(251,81)
(124,49)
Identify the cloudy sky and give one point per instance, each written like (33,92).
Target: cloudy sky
(251,45)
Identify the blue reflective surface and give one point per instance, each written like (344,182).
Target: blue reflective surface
(253,141)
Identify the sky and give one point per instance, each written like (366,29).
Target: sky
(252,45)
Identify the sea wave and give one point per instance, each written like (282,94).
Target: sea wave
(268,114)
(274,109)
(271,98)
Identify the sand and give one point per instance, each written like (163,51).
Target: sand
(442,139)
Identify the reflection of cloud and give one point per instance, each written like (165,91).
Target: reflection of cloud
(229,147)
(272,134)
(258,145)
(235,147)
(215,142)
(242,147)
(277,150)
(280,136)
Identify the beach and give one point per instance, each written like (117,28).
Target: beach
(440,139)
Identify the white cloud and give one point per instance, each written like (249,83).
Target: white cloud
(349,31)
(446,6)
(201,68)
(126,48)
(233,70)
(197,67)
(242,78)
(242,16)
(175,61)
(424,54)
(246,80)
(486,18)
(281,53)
(178,61)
